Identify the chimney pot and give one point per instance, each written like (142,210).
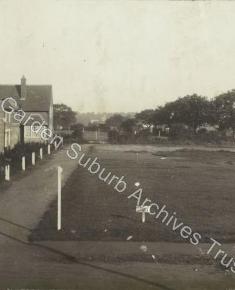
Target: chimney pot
(23,88)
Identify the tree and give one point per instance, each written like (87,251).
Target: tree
(192,111)
(77,130)
(64,116)
(225,110)
(128,125)
(115,121)
(146,116)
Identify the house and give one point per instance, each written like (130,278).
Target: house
(9,130)
(37,103)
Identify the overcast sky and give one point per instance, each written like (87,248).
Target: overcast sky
(119,55)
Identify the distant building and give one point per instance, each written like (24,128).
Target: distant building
(36,101)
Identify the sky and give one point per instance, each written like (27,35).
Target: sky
(119,56)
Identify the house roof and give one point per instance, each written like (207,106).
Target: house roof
(38,99)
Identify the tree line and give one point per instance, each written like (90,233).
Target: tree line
(195,111)
(186,116)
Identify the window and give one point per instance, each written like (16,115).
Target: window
(8,118)
(7,137)
(33,132)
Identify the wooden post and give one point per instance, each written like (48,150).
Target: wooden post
(41,153)
(60,170)
(7,172)
(23,163)
(49,149)
(33,158)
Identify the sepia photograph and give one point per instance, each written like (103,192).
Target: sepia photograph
(117,145)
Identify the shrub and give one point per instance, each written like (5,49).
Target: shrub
(180,131)
(113,136)
(205,136)
(13,156)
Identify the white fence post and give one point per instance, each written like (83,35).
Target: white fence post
(33,158)
(7,172)
(41,153)
(60,170)
(143,210)
(23,163)
(49,149)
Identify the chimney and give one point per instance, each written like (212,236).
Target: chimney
(23,88)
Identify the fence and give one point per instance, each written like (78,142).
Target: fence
(21,157)
(95,136)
